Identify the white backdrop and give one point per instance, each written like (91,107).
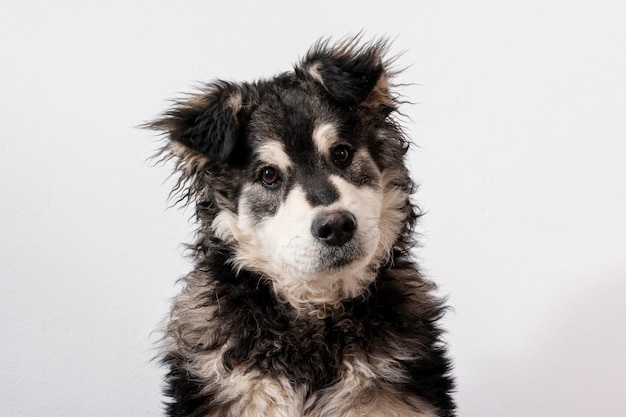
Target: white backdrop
(520,118)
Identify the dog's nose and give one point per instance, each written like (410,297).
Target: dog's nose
(334,228)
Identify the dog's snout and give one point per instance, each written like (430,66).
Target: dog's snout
(334,228)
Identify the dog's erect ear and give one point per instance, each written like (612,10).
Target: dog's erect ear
(207,123)
(348,71)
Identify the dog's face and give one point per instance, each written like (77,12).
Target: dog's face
(301,176)
(311,195)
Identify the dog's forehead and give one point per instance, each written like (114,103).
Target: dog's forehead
(302,120)
(282,108)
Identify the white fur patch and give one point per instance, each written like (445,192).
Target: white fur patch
(297,257)
(283,249)
(256,395)
(361,392)
(324,137)
(273,153)
(248,393)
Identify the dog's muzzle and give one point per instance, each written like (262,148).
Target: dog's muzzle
(334,228)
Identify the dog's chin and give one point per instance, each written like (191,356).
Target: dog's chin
(332,263)
(337,264)
(324,283)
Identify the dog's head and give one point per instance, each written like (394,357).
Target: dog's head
(301,176)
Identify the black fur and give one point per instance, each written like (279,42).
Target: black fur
(209,125)
(219,128)
(348,77)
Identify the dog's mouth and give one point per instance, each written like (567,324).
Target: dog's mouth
(338,264)
(337,258)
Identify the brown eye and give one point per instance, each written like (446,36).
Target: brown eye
(270,177)
(342,156)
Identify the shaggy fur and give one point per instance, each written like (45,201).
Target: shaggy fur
(304,300)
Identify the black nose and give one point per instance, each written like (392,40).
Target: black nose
(334,228)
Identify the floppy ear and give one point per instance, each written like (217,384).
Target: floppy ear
(349,72)
(207,123)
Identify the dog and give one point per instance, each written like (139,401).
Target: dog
(304,299)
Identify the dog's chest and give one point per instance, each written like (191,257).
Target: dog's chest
(309,353)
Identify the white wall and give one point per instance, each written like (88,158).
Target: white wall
(520,118)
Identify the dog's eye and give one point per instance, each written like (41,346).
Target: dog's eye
(342,156)
(270,177)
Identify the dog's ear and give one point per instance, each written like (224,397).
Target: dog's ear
(351,73)
(207,123)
